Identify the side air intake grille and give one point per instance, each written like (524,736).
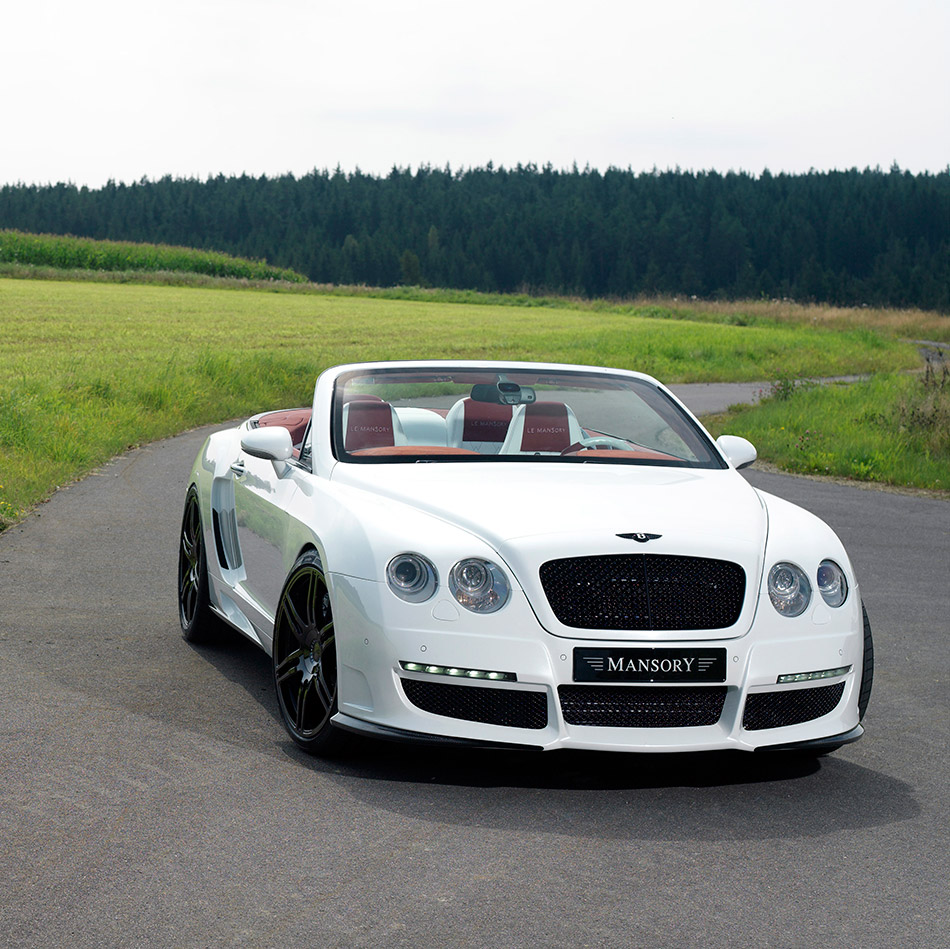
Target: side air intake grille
(635,707)
(644,591)
(789,707)
(514,708)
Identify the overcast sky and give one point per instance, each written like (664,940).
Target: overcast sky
(123,89)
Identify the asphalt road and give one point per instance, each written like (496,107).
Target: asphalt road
(150,797)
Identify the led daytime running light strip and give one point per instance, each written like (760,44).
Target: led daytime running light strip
(458,673)
(811,676)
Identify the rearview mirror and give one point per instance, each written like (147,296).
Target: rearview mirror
(504,393)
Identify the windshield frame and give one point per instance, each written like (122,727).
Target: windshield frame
(544,376)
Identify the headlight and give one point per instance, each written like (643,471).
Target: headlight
(789,589)
(411,577)
(479,585)
(832,584)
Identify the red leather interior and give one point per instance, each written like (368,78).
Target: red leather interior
(294,420)
(369,425)
(545,427)
(485,421)
(415,450)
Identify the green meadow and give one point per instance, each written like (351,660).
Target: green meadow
(89,369)
(893,428)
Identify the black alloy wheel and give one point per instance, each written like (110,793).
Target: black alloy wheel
(305,664)
(198,621)
(867,670)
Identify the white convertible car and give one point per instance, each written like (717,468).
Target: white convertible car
(520,554)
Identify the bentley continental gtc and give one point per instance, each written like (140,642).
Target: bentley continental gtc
(521,554)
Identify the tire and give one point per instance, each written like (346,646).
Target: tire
(867,671)
(199,623)
(305,658)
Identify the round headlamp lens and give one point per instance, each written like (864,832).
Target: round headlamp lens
(479,585)
(472,577)
(411,577)
(789,589)
(832,584)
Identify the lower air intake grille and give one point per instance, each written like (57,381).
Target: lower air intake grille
(789,707)
(644,591)
(491,706)
(631,707)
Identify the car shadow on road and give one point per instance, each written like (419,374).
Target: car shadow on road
(711,795)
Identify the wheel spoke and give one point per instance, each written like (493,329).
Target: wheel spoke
(189,594)
(188,548)
(298,625)
(302,694)
(288,665)
(311,600)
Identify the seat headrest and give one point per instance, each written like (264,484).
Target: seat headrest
(485,421)
(546,427)
(369,425)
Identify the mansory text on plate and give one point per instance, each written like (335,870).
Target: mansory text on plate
(520,554)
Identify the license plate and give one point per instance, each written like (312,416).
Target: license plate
(649,665)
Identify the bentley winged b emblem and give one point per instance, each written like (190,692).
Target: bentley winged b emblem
(640,538)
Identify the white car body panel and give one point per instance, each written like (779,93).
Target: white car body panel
(258,516)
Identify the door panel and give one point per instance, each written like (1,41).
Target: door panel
(261,499)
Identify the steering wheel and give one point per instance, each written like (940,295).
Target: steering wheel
(597,441)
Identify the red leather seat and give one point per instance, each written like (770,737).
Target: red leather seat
(545,428)
(477,426)
(371,424)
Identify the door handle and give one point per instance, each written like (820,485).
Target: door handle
(237,469)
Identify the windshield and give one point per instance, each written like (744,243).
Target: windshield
(459,414)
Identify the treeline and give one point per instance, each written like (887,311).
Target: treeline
(851,237)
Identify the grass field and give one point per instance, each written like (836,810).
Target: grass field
(891,429)
(88,369)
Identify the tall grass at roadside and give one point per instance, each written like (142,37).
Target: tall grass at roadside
(892,429)
(83,253)
(88,369)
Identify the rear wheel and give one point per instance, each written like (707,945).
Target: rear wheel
(305,658)
(867,671)
(198,621)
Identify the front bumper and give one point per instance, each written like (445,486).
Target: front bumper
(378,635)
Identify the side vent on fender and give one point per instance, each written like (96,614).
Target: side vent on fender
(224,525)
(218,542)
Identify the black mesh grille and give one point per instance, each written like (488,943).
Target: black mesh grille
(635,707)
(644,591)
(789,707)
(492,706)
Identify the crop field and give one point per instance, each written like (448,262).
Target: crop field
(82,253)
(89,369)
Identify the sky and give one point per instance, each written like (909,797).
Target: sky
(112,89)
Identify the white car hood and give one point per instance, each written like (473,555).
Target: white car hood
(534,512)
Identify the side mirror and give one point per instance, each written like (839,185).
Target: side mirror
(272,443)
(740,451)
